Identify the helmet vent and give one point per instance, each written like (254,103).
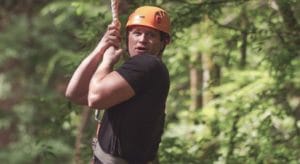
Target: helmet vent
(159,16)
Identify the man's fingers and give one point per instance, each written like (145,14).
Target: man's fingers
(112,27)
(119,51)
(114,38)
(114,33)
(114,44)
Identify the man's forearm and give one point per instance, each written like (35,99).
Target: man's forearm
(77,89)
(95,83)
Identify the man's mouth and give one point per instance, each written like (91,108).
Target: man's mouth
(141,49)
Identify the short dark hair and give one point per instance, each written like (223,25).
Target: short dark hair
(164,36)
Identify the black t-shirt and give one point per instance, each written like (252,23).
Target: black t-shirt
(133,129)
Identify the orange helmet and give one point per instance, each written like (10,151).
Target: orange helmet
(150,16)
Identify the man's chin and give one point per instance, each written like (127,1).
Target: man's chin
(141,53)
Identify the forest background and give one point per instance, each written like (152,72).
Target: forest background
(234,68)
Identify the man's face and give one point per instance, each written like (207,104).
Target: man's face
(144,40)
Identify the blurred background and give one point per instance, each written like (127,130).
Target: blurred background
(235,80)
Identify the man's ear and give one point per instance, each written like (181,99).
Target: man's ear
(167,40)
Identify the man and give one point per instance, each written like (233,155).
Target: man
(134,94)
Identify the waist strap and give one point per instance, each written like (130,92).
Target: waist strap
(105,157)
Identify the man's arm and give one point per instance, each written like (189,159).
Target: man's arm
(78,87)
(107,87)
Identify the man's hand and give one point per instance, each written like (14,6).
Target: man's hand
(111,56)
(111,37)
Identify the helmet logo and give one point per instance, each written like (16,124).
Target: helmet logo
(138,18)
(159,16)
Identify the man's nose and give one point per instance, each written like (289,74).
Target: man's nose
(143,37)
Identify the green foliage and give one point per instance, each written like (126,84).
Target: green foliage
(243,126)
(249,120)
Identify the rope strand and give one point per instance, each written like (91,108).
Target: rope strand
(115,19)
(115,12)
(115,8)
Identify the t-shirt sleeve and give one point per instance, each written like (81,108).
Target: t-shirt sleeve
(137,71)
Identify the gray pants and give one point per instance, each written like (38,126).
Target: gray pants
(103,157)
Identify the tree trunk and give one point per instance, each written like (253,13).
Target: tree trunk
(289,21)
(201,79)
(287,15)
(215,74)
(207,67)
(243,61)
(293,29)
(195,88)
(80,131)
(244,35)
(196,83)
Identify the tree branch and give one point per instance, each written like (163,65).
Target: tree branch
(224,25)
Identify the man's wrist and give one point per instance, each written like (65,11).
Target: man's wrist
(99,49)
(106,65)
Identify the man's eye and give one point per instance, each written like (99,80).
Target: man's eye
(137,33)
(152,35)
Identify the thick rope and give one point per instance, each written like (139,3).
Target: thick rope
(115,19)
(115,9)
(115,12)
